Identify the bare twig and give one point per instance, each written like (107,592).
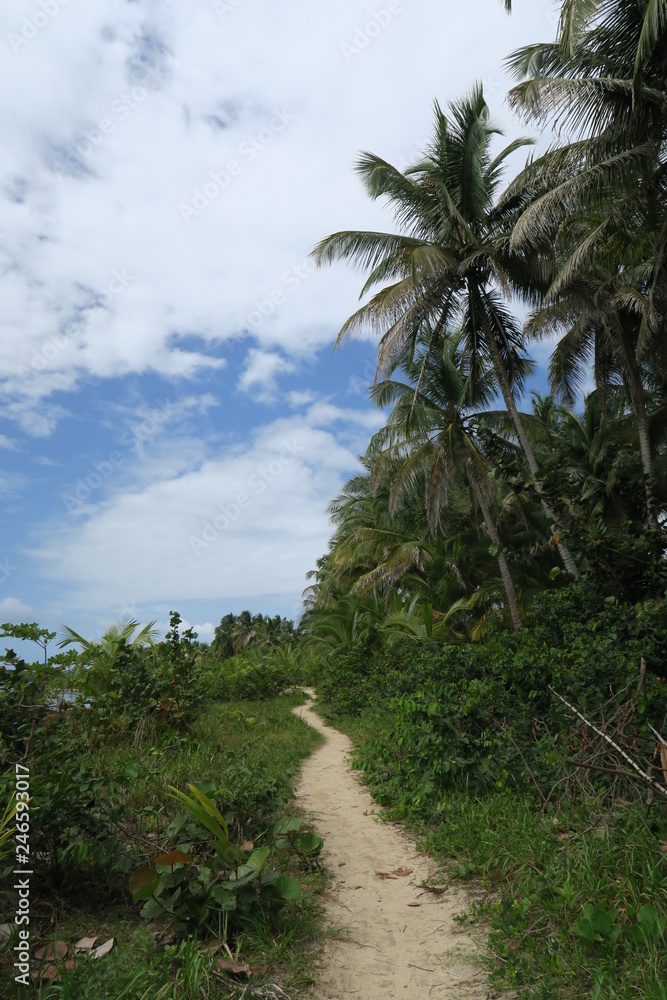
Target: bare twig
(642,676)
(657,735)
(642,774)
(518,749)
(598,767)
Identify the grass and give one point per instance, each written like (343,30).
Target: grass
(252,751)
(563,887)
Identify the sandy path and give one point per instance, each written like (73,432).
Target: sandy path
(391,949)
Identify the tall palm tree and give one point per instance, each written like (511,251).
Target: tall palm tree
(450,258)
(602,196)
(431,431)
(602,83)
(599,315)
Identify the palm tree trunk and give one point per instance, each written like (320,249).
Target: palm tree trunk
(524,441)
(505,574)
(638,401)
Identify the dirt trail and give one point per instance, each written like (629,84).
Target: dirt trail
(390,949)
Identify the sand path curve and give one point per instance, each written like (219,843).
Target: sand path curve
(391,948)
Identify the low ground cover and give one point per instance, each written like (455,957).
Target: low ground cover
(507,787)
(104,808)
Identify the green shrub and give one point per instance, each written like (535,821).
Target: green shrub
(207,882)
(481,716)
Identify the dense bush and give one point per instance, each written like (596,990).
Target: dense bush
(481,715)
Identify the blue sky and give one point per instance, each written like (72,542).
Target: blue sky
(173,421)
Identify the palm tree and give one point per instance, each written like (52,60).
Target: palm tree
(373,547)
(431,431)
(601,196)
(99,658)
(600,316)
(449,258)
(604,84)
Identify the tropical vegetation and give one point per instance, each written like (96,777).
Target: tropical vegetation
(489,621)
(490,617)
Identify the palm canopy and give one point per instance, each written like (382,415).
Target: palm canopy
(430,440)
(449,264)
(451,243)
(603,84)
(602,196)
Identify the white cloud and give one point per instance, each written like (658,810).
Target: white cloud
(249,520)
(205,632)
(127,110)
(300,398)
(13,607)
(261,372)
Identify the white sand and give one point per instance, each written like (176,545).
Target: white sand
(391,949)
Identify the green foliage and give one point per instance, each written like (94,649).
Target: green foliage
(260,672)
(479,716)
(237,633)
(562,925)
(126,677)
(306,845)
(228,886)
(7,827)
(74,817)
(251,675)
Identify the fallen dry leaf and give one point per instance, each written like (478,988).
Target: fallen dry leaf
(663,846)
(340,865)
(103,949)
(562,835)
(210,947)
(384,875)
(233,968)
(57,949)
(663,759)
(71,963)
(402,871)
(85,944)
(247,846)
(173,858)
(414,904)
(49,973)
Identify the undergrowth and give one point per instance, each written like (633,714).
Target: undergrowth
(251,751)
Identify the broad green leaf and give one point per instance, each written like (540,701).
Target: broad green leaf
(225,898)
(176,824)
(286,827)
(140,879)
(258,858)
(309,843)
(152,909)
(287,888)
(228,853)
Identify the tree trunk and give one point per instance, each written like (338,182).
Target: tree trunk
(524,441)
(508,583)
(638,401)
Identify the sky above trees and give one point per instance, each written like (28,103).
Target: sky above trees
(173,420)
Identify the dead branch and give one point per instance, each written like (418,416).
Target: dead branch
(642,774)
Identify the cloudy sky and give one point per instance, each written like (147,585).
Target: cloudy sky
(173,421)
